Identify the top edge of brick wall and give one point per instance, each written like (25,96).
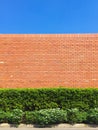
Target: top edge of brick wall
(49,35)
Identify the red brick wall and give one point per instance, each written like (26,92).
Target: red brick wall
(49,60)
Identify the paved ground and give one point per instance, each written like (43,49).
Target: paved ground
(49,128)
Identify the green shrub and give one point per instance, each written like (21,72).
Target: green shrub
(50,116)
(92,116)
(15,117)
(3,118)
(75,116)
(29,117)
(37,99)
(46,117)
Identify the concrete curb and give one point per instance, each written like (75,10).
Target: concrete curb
(4,125)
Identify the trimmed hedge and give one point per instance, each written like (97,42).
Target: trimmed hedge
(46,117)
(37,99)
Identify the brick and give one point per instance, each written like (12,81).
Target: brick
(48,60)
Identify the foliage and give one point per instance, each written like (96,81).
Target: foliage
(29,117)
(46,117)
(76,116)
(37,99)
(92,116)
(3,117)
(50,116)
(15,117)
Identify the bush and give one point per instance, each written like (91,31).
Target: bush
(14,117)
(92,116)
(50,116)
(46,117)
(29,117)
(37,99)
(76,116)
(3,117)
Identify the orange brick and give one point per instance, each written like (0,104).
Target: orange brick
(48,60)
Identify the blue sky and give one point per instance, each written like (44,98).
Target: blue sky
(48,16)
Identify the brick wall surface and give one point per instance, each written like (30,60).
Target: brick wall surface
(69,60)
